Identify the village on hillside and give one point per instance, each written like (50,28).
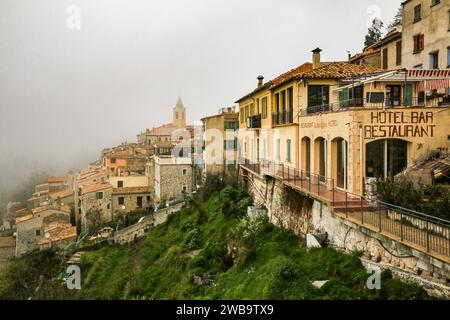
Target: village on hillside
(310,147)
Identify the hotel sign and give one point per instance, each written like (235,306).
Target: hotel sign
(400,124)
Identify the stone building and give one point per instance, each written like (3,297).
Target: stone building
(167,131)
(385,54)
(57,235)
(95,203)
(426,34)
(30,228)
(352,122)
(124,159)
(130,199)
(221,141)
(173,177)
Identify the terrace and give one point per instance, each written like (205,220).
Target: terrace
(423,232)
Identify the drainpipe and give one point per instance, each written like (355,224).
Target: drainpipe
(361,157)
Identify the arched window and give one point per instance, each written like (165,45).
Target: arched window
(339,155)
(320,156)
(306,154)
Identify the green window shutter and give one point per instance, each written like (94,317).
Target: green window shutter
(344,97)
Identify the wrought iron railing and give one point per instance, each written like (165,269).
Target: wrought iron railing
(430,233)
(374,103)
(254,122)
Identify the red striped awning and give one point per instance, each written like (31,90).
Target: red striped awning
(430,85)
(435,73)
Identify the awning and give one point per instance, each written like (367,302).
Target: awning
(430,85)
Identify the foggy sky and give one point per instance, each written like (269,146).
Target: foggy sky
(65,94)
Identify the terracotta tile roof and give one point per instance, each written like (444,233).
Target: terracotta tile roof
(67,233)
(63,208)
(21,211)
(95,187)
(263,87)
(337,70)
(62,194)
(308,66)
(365,53)
(56,179)
(51,227)
(131,190)
(164,130)
(24,218)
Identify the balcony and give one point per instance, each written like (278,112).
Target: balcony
(377,102)
(254,122)
(282,117)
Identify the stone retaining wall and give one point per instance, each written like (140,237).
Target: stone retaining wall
(304,215)
(138,230)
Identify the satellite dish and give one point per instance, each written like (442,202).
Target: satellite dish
(47,235)
(123,207)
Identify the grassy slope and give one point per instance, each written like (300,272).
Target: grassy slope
(269,263)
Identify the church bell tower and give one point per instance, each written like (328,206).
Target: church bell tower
(179,115)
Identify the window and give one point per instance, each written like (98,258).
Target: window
(184,189)
(448,57)
(113,160)
(417,13)
(38,232)
(288,148)
(139,202)
(278,149)
(120,184)
(434,60)
(318,98)
(108,206)
(435,2)
(418,43)
(121,200)
(385,58)
(99,195)
(398,54)
(184,172)
(264,107)
(231,125)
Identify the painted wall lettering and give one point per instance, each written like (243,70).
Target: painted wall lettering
(400,124)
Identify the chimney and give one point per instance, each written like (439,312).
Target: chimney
(316,58)
(260,81)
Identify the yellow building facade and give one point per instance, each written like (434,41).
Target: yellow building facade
(344,122)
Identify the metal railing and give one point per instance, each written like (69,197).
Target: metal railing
(254,122)
(374,103)
(430,233)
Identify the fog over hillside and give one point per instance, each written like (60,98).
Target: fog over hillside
(66,93)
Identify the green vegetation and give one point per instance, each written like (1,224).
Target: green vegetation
(211,250)
(428,199)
